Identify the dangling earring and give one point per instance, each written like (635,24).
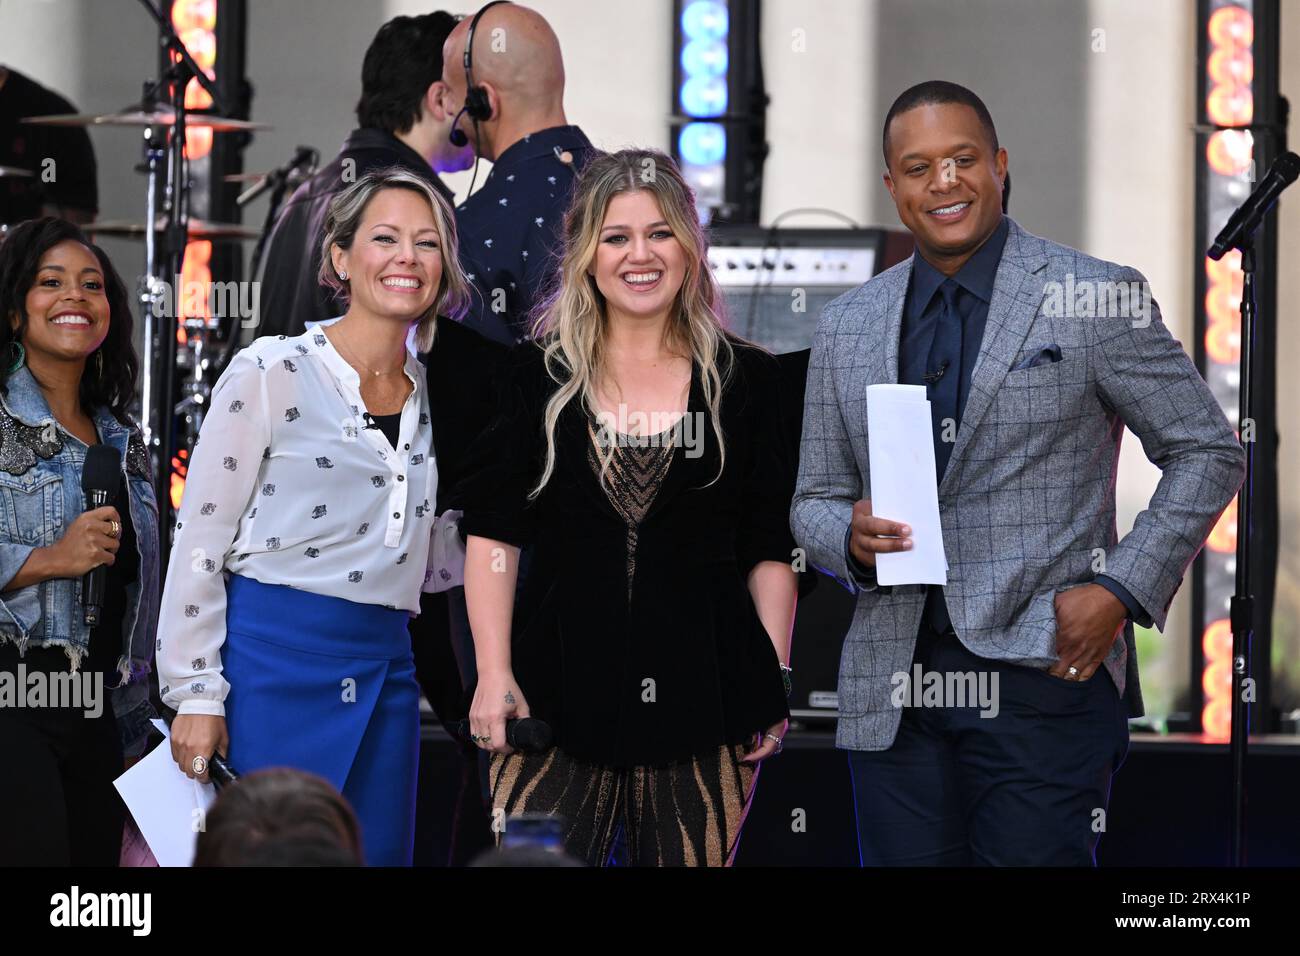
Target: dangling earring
(99,364)
(17,355)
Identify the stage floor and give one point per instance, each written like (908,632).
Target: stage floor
(1170,804)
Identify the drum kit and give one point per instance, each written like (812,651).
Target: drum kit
(176,385)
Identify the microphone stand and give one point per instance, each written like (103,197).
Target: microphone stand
(1239,233)
(1242,614)
(165,254)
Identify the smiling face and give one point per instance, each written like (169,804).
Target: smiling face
(67,308)
(946,181)
(394,265)
(639,265)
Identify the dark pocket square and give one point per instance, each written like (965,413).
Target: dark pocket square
(1043,356)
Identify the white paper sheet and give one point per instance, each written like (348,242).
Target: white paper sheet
(168,807)
(903,484)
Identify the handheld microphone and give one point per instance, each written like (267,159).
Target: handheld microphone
(1242,224)
(101,475)
(526,734)
(932,378)
(220,772)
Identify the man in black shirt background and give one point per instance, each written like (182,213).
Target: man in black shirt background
(509,229)
(66,187)
(401,122)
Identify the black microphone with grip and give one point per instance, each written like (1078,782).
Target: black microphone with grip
(101,475)
(527,734)
(1243,223)
(220,772)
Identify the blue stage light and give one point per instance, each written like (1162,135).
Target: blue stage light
(702,144)
(704,58)
(704,20)
(704,96)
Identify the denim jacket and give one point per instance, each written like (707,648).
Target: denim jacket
(40,496)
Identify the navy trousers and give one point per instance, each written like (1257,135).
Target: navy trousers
(1026,787)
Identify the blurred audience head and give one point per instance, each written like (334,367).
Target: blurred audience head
(280,817)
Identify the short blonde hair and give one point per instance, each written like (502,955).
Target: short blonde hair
(344,218)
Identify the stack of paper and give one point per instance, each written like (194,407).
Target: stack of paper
(903,483)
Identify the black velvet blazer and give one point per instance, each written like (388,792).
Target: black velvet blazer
(684,665)
(464,376)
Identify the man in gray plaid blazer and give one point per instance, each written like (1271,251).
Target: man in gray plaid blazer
(984,719)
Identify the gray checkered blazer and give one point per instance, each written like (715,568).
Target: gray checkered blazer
(1030,488)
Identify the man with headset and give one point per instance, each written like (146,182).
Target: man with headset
(504,81)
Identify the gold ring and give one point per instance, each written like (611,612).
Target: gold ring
(116,526)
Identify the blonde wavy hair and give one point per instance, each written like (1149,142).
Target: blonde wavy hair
(344,219)
(570,325)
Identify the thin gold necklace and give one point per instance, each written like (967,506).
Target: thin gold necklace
(357,361)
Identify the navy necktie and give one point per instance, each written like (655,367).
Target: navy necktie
(943,374)
(943,381)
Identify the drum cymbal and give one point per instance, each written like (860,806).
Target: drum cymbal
(133,117)
(15,171)
(198,229)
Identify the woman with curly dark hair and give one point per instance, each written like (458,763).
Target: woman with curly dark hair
(67,374)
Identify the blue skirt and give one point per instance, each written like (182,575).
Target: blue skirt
(327,685)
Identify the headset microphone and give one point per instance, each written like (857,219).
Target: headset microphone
(457,136)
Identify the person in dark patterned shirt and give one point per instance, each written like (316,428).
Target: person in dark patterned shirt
(508,228)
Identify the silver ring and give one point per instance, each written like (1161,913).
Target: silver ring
(199,765)
(1073,672)
(777,739)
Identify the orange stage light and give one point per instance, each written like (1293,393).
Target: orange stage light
(1231,26)
(1223,539)
(1231,67)
(1229,152)
(1230,105)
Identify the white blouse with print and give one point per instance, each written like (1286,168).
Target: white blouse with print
(287,485)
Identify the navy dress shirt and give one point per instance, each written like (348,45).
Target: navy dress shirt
(921,313)
(510,229)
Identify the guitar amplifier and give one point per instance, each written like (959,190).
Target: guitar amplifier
(776,283)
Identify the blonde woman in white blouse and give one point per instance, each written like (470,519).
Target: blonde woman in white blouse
(302,539)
